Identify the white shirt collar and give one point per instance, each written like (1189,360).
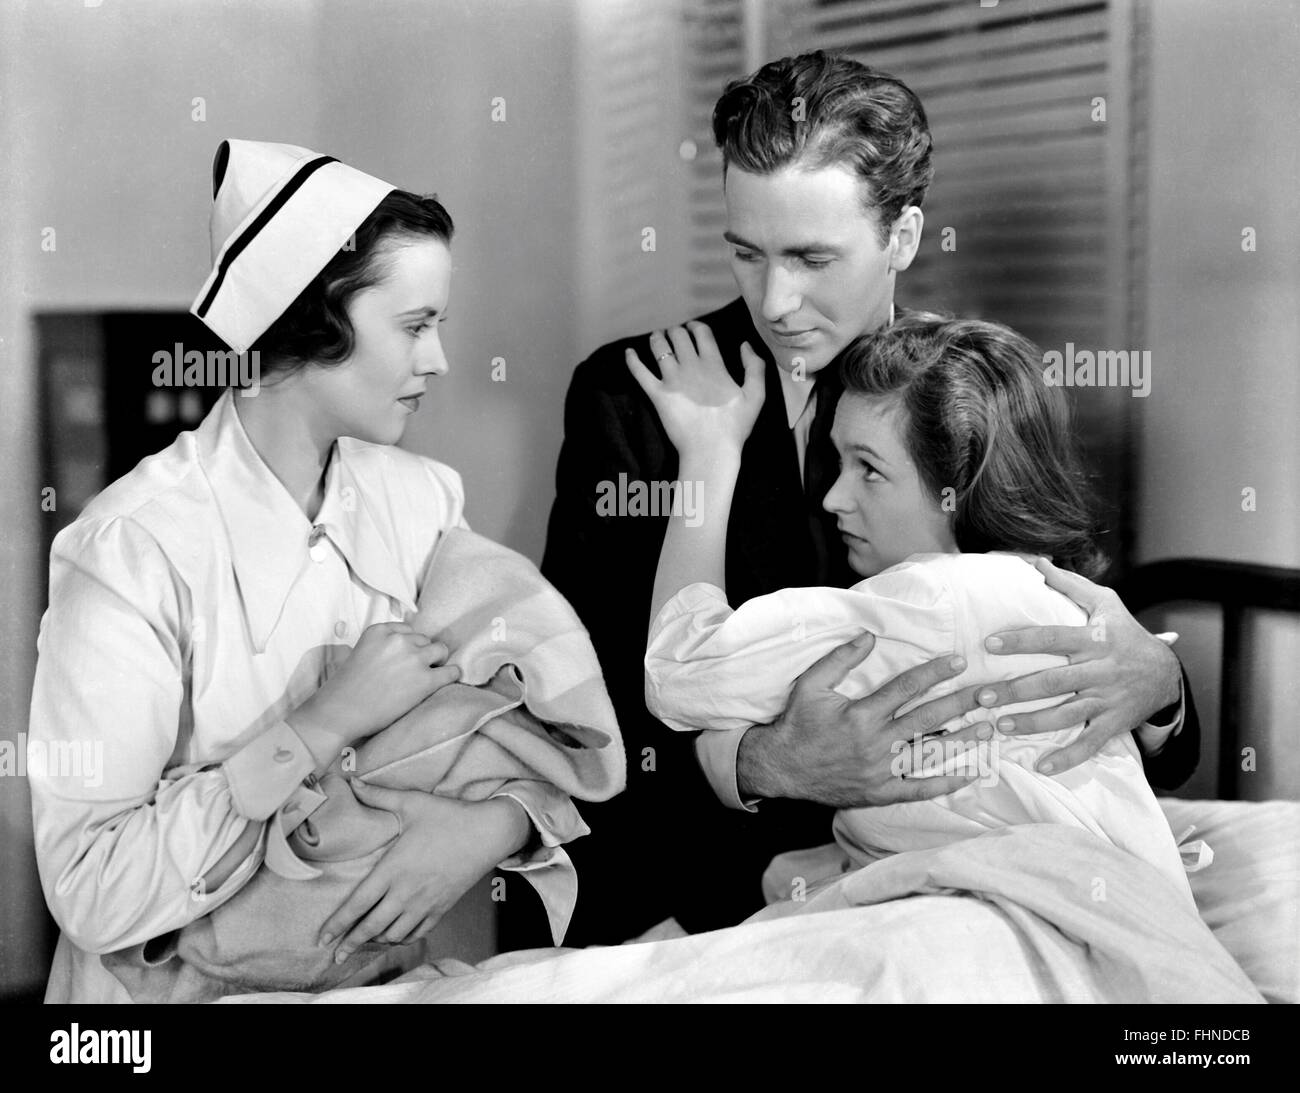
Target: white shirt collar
(268,533)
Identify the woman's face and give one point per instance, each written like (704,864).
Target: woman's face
(397,346)
(883,509)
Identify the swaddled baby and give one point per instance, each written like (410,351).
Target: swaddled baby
(955,458)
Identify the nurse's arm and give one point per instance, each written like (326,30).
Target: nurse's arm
(125,854)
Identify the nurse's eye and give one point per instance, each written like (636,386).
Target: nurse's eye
(418,329)
(869,472)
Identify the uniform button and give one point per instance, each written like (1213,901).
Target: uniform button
(316,545)
(340,629)
(282,755)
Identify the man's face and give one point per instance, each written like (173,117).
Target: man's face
(808,261)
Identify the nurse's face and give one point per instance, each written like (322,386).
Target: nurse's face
(883,509)
(397,345)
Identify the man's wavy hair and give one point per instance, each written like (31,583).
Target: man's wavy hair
(315,328)
(981,419)
(819,110)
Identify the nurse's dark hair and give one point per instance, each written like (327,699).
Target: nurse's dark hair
(987,433)
(821,110)
(315,328)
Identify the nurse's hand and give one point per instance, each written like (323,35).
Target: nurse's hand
(391,670)
(445,848)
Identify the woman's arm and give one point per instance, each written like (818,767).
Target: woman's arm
(708,419)
(125,853)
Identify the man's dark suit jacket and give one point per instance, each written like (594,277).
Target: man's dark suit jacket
(667,846)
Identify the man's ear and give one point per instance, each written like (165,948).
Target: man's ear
(905,238)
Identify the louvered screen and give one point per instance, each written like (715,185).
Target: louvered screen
(715,54)
(1036,191)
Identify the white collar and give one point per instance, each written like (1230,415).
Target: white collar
(268,532)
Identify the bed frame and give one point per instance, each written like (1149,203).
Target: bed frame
(1238,588)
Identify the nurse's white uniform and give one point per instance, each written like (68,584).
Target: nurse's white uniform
(192,607)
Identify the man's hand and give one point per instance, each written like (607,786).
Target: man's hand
(845,753)
(444,849)
(1119,674)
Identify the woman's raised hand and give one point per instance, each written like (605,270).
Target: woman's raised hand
(392,669)
(700,405)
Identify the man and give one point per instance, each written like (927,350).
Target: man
(825,166)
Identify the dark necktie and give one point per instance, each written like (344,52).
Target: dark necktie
(820,469)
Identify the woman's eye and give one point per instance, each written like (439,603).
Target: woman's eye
(745,256)
(417,330)
(869,472)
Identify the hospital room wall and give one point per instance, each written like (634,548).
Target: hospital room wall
(101,142)
(1223,324)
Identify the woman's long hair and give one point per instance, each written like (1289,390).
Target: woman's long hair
(983,422)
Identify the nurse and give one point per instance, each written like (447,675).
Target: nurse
(227,617)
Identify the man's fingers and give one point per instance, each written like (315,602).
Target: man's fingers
(824,674)
(971,734)
(933,715)
(957,754)
(905,686)
(1059,682)
(1085,747)
(1068,715)
(922,789)
(1082,591)
(1065,641)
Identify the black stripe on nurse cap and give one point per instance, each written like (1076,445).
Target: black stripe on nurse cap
(263,218)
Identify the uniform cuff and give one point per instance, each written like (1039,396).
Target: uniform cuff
(551,811)
(266,771)
(543,863)
(717,751)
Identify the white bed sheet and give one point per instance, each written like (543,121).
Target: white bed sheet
(1249,896)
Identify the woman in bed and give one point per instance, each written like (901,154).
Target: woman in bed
(957,469)
(227,617)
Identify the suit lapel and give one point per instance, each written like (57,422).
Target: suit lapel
(768,542)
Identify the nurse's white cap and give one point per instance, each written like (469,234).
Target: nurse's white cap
(279,214)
